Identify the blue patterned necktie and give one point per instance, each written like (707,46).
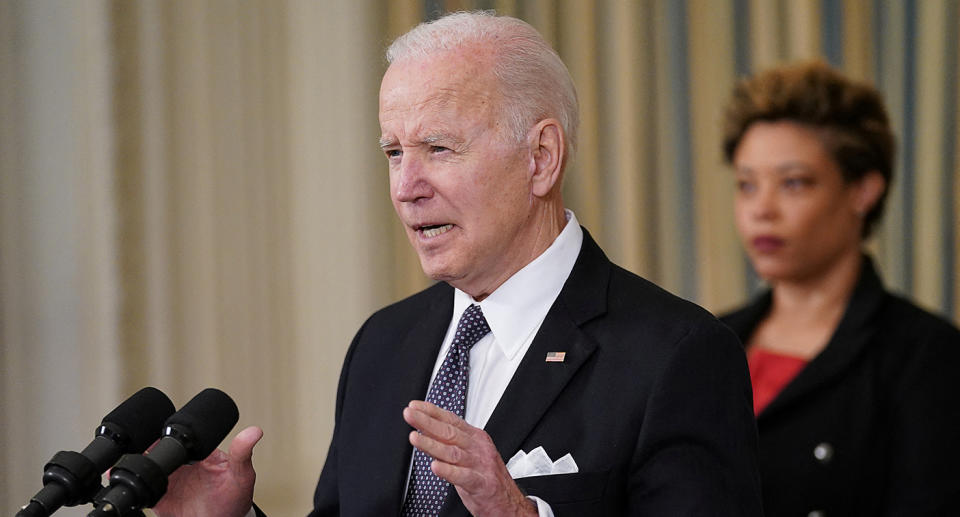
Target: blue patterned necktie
(426,491)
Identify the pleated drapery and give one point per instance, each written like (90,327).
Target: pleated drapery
(191,192)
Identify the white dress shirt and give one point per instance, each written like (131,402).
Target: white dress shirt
(514,312)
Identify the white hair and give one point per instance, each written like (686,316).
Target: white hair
(534,81)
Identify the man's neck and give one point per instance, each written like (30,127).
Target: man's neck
(550,220)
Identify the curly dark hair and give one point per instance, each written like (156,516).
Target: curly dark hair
(849,117)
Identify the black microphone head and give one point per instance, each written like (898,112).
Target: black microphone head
(205,420)
(139,419)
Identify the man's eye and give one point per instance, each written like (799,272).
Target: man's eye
(393,153)
(438,149)
(745,186)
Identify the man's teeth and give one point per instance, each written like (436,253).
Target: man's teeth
(436,230)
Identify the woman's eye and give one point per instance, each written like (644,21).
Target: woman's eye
(795,183)
(744,186)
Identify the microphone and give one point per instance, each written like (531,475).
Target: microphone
(72,478)
(191,434)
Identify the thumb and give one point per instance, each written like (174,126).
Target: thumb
(241,448)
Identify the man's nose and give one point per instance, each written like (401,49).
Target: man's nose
(410,180)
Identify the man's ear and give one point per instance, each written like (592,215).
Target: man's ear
(548,146)
(869,189)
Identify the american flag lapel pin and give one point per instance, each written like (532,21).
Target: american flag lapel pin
(556,357)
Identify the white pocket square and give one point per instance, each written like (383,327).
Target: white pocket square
(538,463)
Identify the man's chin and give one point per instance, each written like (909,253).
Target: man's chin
(437,271)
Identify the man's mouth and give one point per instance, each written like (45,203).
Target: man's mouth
(432,230)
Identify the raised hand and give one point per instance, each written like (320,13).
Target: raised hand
(219,486)
(466,457)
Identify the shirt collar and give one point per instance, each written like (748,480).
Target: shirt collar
(516,308)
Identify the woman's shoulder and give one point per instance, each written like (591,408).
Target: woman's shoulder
(909,346)
(901,318)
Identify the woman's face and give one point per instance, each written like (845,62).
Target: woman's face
(795,213)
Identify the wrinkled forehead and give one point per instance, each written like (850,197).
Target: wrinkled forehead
(448,81)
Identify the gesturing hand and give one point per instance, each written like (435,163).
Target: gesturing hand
(219,486)
(466,457)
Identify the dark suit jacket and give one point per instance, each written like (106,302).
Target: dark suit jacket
(653,401)
(882,402)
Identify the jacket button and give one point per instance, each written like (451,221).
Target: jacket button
(816,513)
(824,453)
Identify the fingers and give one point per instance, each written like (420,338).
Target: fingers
(436,449)
(435,422)
(466,477)
(241,452)
(241,448)
(456,446)
(466,457)
(434,411)
(441,434)
(216,459)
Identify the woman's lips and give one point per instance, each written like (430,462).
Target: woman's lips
(767,243)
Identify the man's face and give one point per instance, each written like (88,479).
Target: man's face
(458,181)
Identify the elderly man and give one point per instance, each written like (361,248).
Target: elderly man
(532,338)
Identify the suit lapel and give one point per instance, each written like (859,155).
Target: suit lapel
(532,390)
(537,383)
(845,346)
(407,376)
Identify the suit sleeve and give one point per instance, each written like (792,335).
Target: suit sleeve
(697,450)
(326,497)
(924,453)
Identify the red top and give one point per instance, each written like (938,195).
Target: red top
(770,372)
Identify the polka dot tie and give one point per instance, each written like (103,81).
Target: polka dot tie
(449,391)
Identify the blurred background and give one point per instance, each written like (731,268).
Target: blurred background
(191,192)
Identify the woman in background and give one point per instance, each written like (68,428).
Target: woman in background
(856,390)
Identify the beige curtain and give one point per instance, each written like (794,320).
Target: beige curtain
(191,193)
